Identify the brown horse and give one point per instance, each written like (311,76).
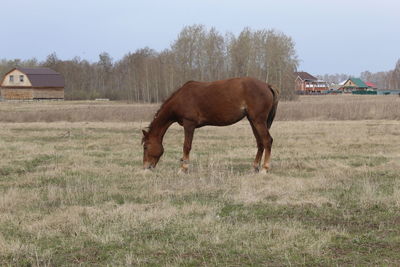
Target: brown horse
(218,103)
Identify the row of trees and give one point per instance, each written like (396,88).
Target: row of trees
(386,80)
(383,79)
(198,53)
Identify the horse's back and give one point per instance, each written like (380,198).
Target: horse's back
(234,87)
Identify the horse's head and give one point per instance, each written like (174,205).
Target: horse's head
(152,151)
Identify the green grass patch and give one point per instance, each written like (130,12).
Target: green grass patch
(20,167)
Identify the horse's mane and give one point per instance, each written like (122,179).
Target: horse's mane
(166,101)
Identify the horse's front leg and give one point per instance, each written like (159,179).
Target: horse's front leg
(187,145)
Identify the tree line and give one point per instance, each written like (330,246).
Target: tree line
(197,53)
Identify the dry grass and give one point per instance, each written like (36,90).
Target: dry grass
(341,107)
(74,193)
(346,107)
(75,111)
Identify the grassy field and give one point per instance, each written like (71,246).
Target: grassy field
(74,194)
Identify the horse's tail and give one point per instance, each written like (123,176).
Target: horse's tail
(276,92)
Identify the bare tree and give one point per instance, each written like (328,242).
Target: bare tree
(395,77)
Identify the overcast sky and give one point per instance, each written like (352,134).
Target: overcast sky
(331,36)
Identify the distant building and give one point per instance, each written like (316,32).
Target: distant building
(371,85)
(306,83)
(354,84)
(32,83)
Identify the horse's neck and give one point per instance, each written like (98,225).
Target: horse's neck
(160,124)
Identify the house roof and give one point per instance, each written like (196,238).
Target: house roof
(305,76)
(370,84)
(37,71)
(358,82)
(42,77)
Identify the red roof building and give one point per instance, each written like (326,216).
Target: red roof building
(371,85)
(306,83)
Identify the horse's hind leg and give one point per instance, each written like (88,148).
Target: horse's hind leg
(267,140)
(260,148)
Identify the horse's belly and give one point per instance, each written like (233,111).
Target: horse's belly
(221,117)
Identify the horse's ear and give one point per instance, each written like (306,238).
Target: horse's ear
(144,133)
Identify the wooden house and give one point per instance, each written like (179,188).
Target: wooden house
(32,84)
(354,84)
(306,83)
